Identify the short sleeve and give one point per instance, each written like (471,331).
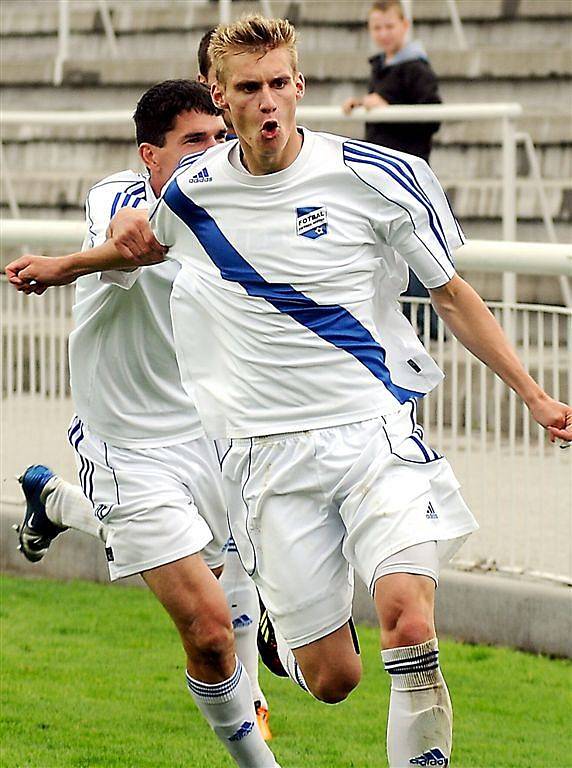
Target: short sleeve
(160,219)
(408,209)
(102,203)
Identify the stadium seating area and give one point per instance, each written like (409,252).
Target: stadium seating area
(519,50)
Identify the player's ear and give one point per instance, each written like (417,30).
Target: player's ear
(218,95)
(300,86)
(147,155)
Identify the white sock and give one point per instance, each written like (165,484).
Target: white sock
(289,662)
(420,723)
(67,506)
(229,710)
(242,598)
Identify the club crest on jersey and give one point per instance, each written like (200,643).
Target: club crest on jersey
(312,222)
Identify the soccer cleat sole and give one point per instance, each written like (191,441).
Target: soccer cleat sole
(32,543)
(262,718)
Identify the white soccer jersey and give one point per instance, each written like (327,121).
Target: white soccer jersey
(124,374)
(290,282)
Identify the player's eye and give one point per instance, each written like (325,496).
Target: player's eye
(280,82)
(249,87)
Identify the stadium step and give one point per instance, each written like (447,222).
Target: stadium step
(449,159)
(42,17)
(482,198)
(315,37)
(349,66)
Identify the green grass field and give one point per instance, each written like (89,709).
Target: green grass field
(92,675)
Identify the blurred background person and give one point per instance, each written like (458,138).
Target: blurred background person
(400,74)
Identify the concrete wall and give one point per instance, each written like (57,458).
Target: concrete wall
(477,608)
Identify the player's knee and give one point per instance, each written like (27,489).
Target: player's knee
(409,627)
(208,640)
(332,688)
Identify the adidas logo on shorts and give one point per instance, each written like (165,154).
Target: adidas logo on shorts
(431,757)
(431,514)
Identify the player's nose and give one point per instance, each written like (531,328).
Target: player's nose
(267,103)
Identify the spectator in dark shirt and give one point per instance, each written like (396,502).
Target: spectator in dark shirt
(400,74)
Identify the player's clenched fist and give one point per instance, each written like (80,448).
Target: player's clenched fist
(33,274)
(133,238)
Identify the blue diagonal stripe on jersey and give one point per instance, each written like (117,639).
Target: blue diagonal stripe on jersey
(355,156)
(330,322)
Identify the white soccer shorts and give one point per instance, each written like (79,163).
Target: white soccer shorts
(307,508)
(158,504)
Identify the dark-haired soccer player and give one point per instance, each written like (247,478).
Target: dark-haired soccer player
(144,464)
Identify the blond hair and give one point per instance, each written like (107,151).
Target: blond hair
(251,34)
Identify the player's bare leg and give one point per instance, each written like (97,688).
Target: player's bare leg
(328,668)
(420,713)
(216,679)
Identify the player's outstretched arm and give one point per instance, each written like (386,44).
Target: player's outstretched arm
(34,274)
(467,316)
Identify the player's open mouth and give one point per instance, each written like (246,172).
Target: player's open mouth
(270,129)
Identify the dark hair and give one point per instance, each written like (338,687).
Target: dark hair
(159,107)
(203,53)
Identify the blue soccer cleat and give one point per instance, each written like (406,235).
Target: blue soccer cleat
(36,532)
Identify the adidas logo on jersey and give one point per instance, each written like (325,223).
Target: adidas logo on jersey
(202,175)
(312,222)
(243,731)
(431,514)
(431,757)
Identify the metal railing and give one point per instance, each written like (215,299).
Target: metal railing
(517,483)
(477,255)
(506,113)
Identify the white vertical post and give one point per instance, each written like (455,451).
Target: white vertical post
(266,8)
(224,11)
(408,10)
(509,214)
(9,185)
(547,218)
(63,41)
(108,28)
(457,25)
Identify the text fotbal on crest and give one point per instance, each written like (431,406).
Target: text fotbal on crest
(312,221)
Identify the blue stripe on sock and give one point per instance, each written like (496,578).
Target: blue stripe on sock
(215,690)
